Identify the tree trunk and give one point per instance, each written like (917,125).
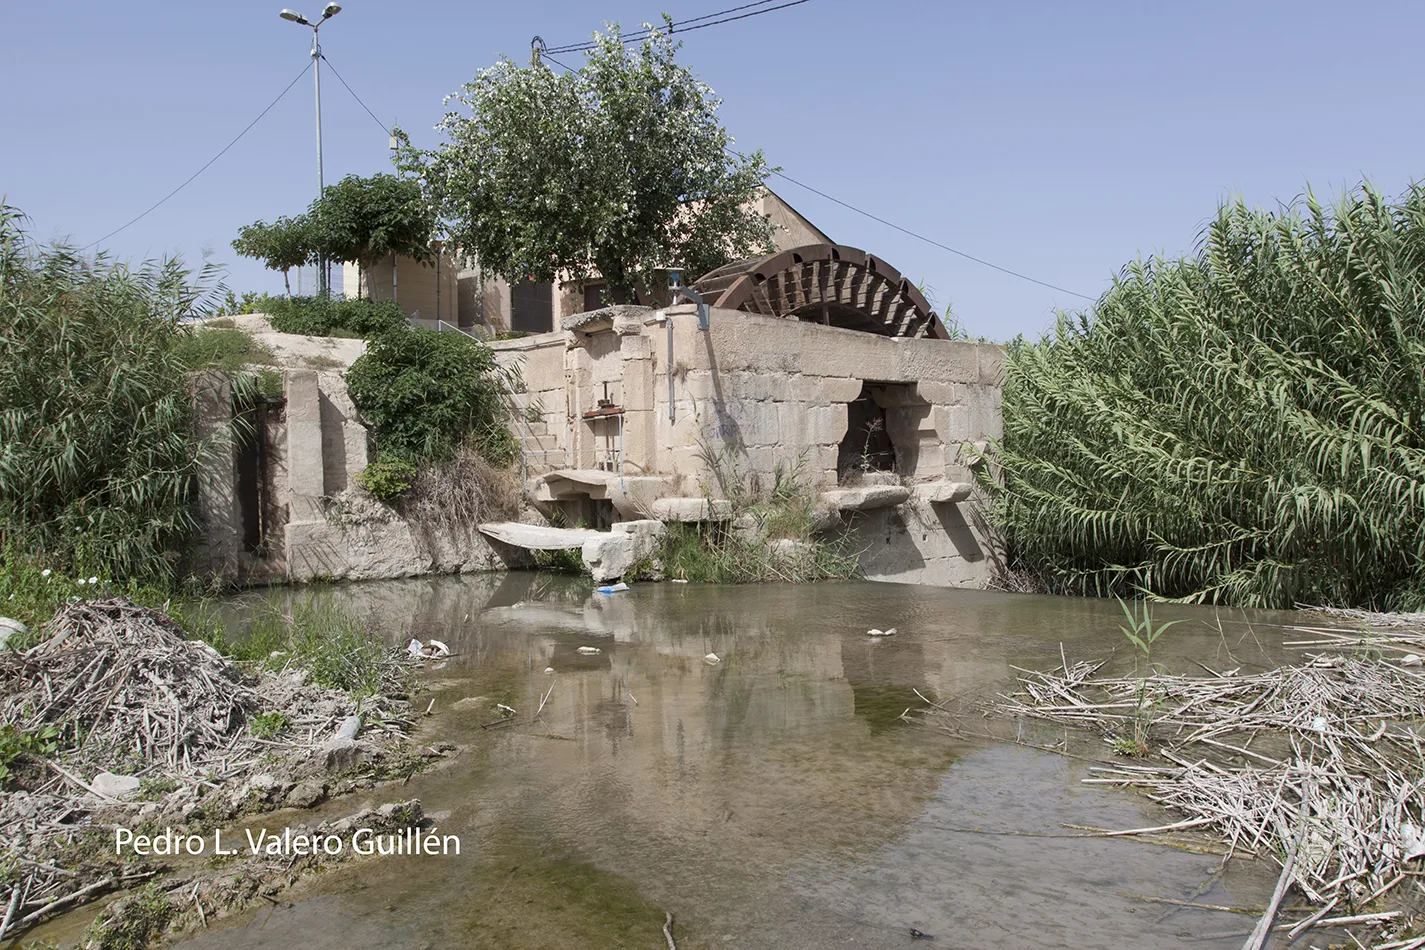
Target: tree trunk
(285,281)
(394,261)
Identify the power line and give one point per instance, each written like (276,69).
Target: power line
(932,241)
(687,26)
(200,171)
(355,96)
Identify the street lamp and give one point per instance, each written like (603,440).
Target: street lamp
(329,11)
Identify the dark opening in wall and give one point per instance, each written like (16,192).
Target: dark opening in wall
(532,306)
(867,446)
(252,421)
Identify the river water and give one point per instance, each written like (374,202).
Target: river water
(772,799)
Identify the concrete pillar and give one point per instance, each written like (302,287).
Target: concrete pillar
(306,481)
(220,541)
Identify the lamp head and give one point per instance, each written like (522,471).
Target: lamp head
(331,10)
(674,278)
(295,17)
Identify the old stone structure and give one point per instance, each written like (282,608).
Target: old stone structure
(634,414)
(819,364)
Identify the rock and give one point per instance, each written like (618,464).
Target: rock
(346,755)
(867,497)
(608,558)
(10,628)
(305,794)
(691,509)
(748,529)
(712,658)
(350,726)
(589,651)
(115,786)
(944,492)
(825,518)
(789,549)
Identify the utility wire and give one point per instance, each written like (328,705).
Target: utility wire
(697,23)
(355,96)
(200,171)
(932,241)
(875,217)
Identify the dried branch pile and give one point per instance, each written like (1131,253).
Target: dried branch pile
(1333,734)
(128,693)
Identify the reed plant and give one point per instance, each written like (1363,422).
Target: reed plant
(97,453)
(1240,426)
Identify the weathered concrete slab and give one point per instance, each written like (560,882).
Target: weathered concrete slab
(538,537)
(610,556)
(691,509)
(943,492)
(570,482)
(867,497)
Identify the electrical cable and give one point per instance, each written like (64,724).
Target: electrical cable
(684,27)
(355,96)
(200,171)
(932,241)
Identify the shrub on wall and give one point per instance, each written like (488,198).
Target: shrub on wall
(426,394)
(336,316)
(1241,427)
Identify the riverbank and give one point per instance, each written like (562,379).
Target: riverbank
(116,722)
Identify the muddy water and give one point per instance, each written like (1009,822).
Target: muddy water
(772,799)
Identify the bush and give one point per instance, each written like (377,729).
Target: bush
(1240,427)
(335,316)
(426,394)
(388,479)
(97,453)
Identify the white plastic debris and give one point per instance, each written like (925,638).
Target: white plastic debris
(350,726)
(1410,659)
(549,669)
(509,709)
(589,651)
(10,628)
(612,588)
(881,633)
(712,658)
(430,650)
(1319,724)
(679,580)
(1411,843)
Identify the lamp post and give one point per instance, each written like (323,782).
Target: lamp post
(329,11)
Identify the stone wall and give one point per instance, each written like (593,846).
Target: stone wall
(752,396)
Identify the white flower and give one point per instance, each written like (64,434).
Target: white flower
(46,572)
(93,580)
(80,582)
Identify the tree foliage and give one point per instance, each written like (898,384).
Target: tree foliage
(97,451)
(1239,427)
(282,245)
(367,219)
(613,169)
(357,219)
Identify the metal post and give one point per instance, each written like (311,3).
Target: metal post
(324,276)
(672,411)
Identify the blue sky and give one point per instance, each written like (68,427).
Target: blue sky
(1059,140)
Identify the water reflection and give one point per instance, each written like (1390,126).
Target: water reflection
(771,799)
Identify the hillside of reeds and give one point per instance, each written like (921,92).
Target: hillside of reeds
(1241,426)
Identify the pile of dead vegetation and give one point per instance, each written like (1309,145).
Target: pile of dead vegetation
(1319,765)
(116,718)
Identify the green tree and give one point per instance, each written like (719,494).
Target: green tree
(612,170)
(282,245)
(366,219)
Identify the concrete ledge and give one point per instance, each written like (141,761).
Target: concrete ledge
(691,509)
(538,537)
(867,498)
(943,492)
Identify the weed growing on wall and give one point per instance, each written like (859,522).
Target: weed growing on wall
(1241,427)
(329,316)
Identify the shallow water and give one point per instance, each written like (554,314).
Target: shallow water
(772,799)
